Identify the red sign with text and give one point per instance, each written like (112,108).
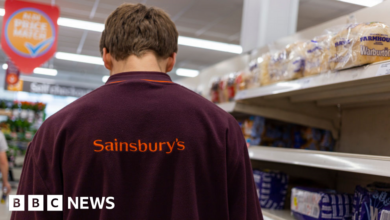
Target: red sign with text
(30,33)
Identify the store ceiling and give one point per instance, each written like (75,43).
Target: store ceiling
(217,20)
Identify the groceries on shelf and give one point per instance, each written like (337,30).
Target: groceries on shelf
(308,204)
(372,202)
(340,48)
(258,130)
(271,188)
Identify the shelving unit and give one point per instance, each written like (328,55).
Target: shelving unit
(277,214)
(357,163)
(314,101)
(354,104)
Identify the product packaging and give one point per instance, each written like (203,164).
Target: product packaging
(373,203)
(284,64)
(271,188)
(296,60)
(264,69)
(317,55)
(316,204)
(360,193)
(214,90)
(358,44)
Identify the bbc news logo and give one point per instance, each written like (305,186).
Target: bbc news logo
(55,203)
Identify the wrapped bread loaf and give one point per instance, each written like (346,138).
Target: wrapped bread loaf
(277,67)
(317,56)
(360,44)
(264,70)
(286,64)
(296,61)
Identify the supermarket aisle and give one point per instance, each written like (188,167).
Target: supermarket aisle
(4,213)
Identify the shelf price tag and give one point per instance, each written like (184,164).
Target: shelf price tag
(384,69)
(305,83)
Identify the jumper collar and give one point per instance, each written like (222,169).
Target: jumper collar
(149,76)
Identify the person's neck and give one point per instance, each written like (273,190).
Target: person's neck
(146,63)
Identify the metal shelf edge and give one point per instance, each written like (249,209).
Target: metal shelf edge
(357,163)
(326,79)
(277,214)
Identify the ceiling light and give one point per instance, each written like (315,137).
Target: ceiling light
(79,58)
(211,45)
(45,71)
(367,3)
(185,41)
(5,66)
(105,78)
(187,72)
(85,25)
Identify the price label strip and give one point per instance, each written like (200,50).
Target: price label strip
(384,69)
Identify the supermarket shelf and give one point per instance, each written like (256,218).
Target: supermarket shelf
(277,214)
(315,101)
(357,163)
(228,106)
(338,86)
(281,114)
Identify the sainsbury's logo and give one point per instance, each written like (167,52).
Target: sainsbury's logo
(139,146)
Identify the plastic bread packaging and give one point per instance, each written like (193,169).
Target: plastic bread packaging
(317,53)
(316,204)
(359,44)
(255,73)
(271,188)
(277,67)
(285,64)
(265,78)
(296,60)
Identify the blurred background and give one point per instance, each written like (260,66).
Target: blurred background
(229,52)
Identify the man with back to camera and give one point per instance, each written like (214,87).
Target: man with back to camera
(159,150)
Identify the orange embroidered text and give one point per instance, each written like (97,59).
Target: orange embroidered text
(119,146)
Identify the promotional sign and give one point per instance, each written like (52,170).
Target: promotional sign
(12,74)
(29,35)
(46,88)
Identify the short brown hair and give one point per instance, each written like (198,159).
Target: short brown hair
(133,29)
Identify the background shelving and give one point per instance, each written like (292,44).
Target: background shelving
(357,163)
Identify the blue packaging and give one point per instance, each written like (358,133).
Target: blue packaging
(373,203)
(358,197)
(316,204)
(271,188)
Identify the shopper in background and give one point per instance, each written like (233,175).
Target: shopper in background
(4,163)
(161,150)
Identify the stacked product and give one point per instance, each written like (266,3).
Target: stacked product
(223,89)
(372,203)
(271,188)
(267,132)
(343,47)
(359,44)
(313,204)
